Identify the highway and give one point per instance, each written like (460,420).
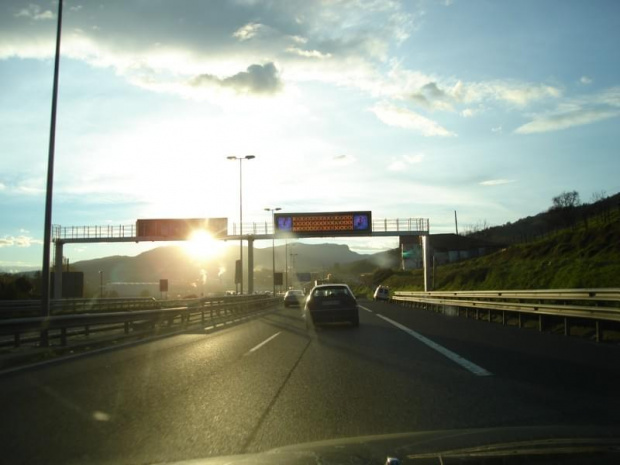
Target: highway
(269,382)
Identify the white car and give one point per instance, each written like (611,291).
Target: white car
(381,293)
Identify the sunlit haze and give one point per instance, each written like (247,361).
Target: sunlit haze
(202,246)
(406,109)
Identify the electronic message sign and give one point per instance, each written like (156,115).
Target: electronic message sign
(324,224)
(180,229)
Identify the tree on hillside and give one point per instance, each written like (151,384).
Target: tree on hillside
(563,209)
(566,200)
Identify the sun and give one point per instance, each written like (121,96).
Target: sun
(202,246)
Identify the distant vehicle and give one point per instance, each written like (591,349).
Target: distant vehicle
(381,293)
(331,303)
(293,297)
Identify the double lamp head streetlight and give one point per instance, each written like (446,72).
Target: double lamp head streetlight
(247,157)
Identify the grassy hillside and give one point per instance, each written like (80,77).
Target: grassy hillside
(578,257)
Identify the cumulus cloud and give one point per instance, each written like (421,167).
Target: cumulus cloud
(401,117)
(18,241)
(449,96)
(585,80)
(433,97)
(258,79)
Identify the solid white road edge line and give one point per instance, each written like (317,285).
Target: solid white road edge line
(364,308)
(456,358)
(263,343)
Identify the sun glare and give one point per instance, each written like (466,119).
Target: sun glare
(202,246)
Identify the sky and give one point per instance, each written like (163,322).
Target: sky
(409,109)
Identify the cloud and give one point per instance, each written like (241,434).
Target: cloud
(407,119)
(576,111)
(258,79)
(496,182)
(497,129)
(431,96)
(569,119)
(18,241)
(308,53)
(342,160)
(35,12)
(217,39)
(249,31)
(448,96)
(585,80)
(404,162)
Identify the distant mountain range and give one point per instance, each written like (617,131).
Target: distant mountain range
(186,273)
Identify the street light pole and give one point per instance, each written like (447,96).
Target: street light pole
(273,245)
(247,157)
(47,222)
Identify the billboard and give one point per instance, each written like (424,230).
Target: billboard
(324,224)
(180,229)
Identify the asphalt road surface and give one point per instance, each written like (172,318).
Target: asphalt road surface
(269,382)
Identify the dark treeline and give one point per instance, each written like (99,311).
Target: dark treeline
(20,286)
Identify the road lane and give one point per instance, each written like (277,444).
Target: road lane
(198,394)
(579,377)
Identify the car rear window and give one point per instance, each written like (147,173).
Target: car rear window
(331,292)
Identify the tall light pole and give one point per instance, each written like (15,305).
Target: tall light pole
(273,245)
(247,157)
(47,222)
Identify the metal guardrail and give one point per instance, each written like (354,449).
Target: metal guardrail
(597,305)
(61,327)
(23,308)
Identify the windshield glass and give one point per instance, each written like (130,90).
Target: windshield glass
(180,179)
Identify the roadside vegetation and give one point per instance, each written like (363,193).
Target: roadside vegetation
(569,246)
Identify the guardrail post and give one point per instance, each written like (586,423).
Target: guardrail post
(127,327)
(520,320)
(540,323)
(86,330)
(63,337)
(504,317)
(566,327)
(17,339)
(597,331)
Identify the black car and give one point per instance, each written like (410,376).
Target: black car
(293,297)
(331,303)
